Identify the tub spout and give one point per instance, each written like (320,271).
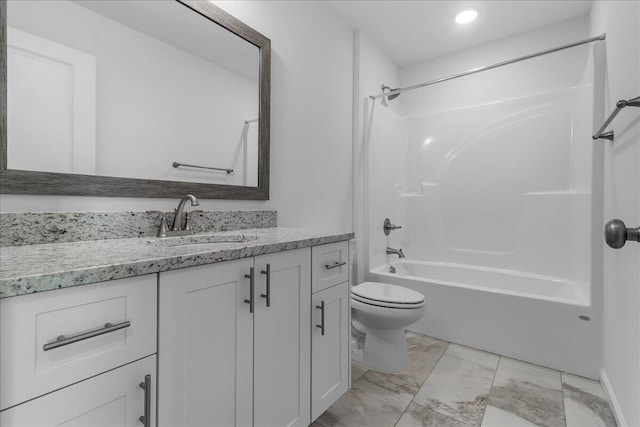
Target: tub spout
(391,251)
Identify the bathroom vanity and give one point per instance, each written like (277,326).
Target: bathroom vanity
(247,329)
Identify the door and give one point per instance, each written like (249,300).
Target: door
(282,339)
(111,399)
(329,347)
(205,345)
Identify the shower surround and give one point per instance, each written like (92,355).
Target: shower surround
(491,177)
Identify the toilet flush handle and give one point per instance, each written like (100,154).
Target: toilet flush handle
(616,234)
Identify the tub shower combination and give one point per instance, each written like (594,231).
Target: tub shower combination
(494,200)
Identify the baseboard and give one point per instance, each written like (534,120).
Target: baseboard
(613,401)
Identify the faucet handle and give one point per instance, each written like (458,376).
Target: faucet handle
(163,230)
(187,220)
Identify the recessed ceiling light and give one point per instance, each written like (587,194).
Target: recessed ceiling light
(466,16)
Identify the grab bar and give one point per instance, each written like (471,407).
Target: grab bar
(601,134)
(176,165)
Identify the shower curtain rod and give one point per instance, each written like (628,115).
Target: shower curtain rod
(489,67)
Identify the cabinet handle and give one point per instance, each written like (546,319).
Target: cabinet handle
(146,386)
(250,301)
(321,325)
(268,294)
(334,265)
(63,340)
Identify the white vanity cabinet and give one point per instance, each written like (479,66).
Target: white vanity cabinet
(330,335)
(76,355)
(234,350)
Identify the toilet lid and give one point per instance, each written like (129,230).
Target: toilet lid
(386,293)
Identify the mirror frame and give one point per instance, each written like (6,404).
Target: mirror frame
(52,183)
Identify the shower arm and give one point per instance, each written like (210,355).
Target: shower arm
(601,134)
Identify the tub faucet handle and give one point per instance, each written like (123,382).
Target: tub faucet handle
(388,227)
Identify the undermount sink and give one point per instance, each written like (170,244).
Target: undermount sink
(202,239)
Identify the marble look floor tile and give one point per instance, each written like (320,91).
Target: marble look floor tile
(421,416)
(424,353)
(585,403)
(483,358)
(494,417)
(366,404)
(457,388)
(530,392)
(357,370)
(539,375)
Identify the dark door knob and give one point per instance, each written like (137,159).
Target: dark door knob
(616,233)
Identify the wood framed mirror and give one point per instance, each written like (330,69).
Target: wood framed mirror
(185,109)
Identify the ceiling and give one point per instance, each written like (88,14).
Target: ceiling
(414,31)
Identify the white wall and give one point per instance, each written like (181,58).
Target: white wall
(450,94)
(372,69)
(311,93)
(621,349)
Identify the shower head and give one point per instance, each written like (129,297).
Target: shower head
(394,96)
(390,97)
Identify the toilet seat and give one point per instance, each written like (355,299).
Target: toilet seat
(387,295)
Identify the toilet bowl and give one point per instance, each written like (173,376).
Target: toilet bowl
(380,312)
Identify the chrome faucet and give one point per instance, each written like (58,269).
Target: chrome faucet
(178,220)
(391,251)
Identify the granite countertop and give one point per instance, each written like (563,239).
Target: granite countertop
(36,268)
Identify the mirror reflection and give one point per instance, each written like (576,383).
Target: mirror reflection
(144,89)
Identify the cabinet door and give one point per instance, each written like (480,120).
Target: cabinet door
(112,399)
(205,346)
(282,341)
(329,352)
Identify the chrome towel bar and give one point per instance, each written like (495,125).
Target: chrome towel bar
(176,165)
(601,134)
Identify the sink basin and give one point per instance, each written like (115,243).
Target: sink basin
(202,239)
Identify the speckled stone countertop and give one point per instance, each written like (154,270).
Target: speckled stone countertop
(37,268)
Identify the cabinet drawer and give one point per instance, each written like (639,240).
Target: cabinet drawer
(113,399)
(330,265)
(31,323)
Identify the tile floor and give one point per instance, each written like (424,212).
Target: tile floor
(449,385)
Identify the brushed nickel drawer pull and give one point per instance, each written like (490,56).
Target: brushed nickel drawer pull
(251,300)
(321,325)
(268,294)
(63,340)
(337,264)
(146,386)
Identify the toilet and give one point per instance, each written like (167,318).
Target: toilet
(380,312)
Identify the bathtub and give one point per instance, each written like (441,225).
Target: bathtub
(538,319)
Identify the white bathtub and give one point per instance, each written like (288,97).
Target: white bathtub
(494,280)
(527,317)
